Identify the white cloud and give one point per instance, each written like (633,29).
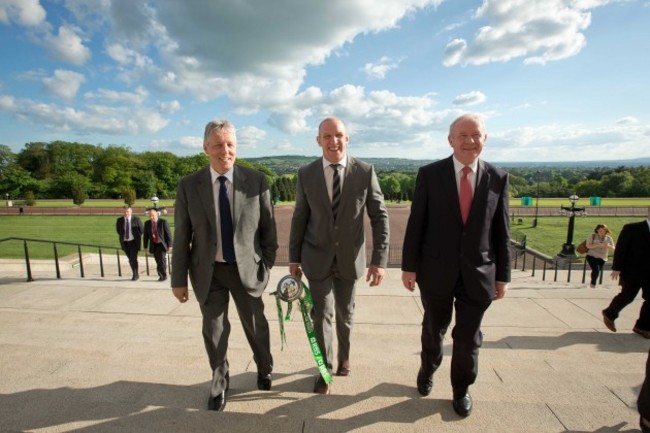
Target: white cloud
(170,107)
(138,97)
(249,136)
(23,12)
(537,31)
(378,71)
(67,46)
(103,119)
(472,98)
(191,142)
(64,84)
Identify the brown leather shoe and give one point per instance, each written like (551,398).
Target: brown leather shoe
(641,332)
(320,387)
(608,322)
(344,368)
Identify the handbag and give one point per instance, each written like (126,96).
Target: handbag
(582,248)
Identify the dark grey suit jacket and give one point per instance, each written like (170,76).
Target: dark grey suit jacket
(164,234)
(315,240)
(195,231)
(438,247)
(136,229)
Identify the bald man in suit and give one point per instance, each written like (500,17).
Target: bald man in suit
(327,239)
(457,249)
(225,239)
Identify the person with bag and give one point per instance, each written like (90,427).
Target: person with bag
(598,244)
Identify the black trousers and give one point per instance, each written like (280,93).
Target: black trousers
(131,250)
(596,266)
(643,403)
(629,290)
(466,334)
(160,254)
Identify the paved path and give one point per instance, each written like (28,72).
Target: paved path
(108,354)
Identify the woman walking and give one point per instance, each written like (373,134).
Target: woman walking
(599,244)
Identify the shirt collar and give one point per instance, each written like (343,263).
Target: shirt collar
(458,166)
(214,175)
(343,162)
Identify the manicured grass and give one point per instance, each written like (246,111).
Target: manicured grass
(101,203)
(84,229)
(551,232)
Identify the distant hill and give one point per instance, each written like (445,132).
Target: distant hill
(289,164)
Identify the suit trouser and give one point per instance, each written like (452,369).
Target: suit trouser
(466,334)
(131,250)
(216,326)
(643,403)
(160,254)
(628,292)
(333,297)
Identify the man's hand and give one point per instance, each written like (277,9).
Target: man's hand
(181,294)
(502,288)
(408,279)
(615,275)
(294,270)
(375,275)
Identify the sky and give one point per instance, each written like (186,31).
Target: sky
(555,80)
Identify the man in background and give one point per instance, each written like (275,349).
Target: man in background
(129,228)
(157,237)
(631,266)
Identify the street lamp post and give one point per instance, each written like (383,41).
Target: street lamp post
(536,202)
(568,249)
(161,210)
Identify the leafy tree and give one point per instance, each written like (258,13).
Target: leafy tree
(129,196)
(615,184)
(115,169)
(35,159)
(79,195)
(30,198)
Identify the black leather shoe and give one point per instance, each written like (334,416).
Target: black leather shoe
(162,278)
(264,382)
(217,403)
(135,278)
(425,382)
(463,405)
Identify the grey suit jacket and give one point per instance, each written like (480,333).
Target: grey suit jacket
(315,239)
(195,231)
(438,247)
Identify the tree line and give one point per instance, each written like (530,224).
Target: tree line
(78,171)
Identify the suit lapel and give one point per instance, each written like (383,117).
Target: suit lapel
(204,188)
(481,190)
(448,182)
(240,187)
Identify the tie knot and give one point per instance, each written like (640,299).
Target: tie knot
(466,170)
(335,167)
(222,179)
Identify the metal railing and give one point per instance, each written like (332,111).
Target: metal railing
(101,249)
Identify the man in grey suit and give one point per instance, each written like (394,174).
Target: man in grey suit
(327,238)
(457,249)
(225,238)
(129,229)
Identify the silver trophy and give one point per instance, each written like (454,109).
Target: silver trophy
(289,289)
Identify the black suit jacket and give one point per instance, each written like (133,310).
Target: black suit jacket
(164,234)
(439,248)
(136,229)
(632,253)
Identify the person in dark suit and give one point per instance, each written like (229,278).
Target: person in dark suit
(225,239)
(327,238)
(457,249)
(157,237)
(129,228)
(643,402)
(630,267)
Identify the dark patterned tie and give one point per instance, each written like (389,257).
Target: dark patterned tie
(225,218)
(127,230)
(336,189)
(465,194)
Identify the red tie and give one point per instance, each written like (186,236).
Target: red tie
(465,194)
(154,230)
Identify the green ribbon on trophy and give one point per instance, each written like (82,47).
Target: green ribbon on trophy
(291,289)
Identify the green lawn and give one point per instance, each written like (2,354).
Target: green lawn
(551,232)
(547,237)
